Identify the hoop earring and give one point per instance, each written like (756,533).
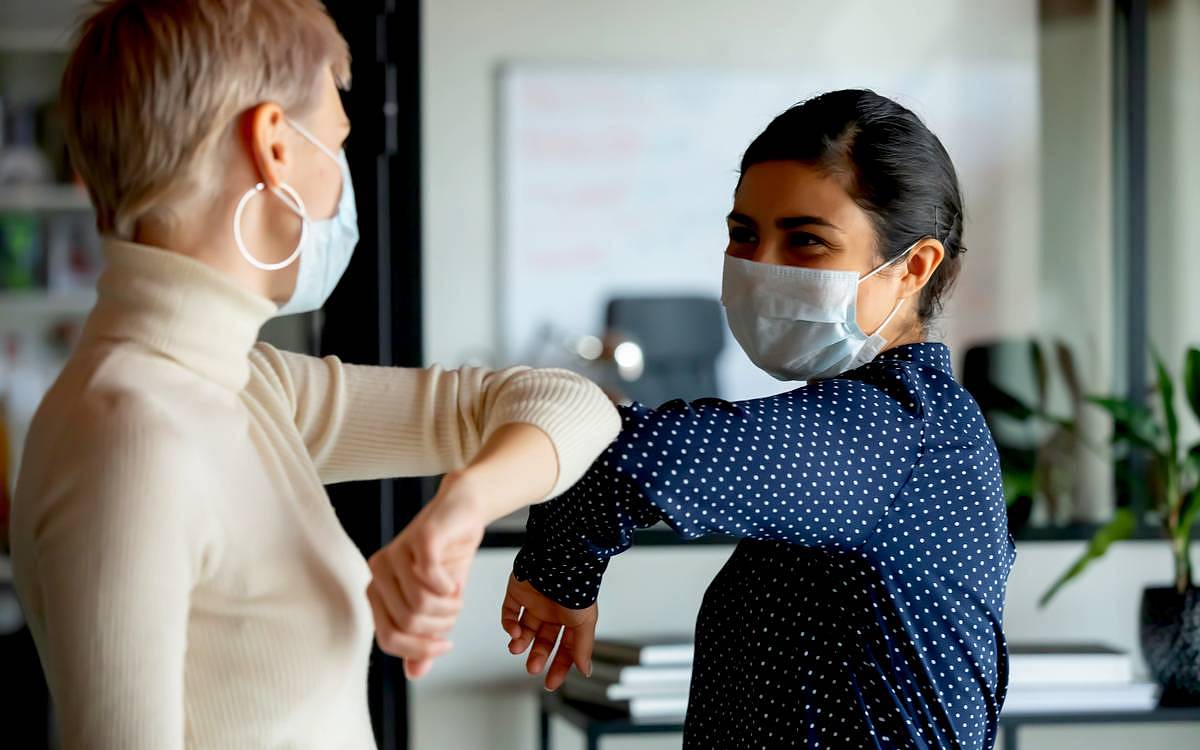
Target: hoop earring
(296,204)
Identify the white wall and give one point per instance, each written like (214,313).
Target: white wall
(1076,254)
(1174,183)
(477,697)
(465,41)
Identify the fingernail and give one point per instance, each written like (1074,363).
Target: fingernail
(589,672)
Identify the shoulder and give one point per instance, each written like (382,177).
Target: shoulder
(887,394)
(114,419)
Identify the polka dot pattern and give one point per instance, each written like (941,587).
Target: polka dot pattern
(863,605)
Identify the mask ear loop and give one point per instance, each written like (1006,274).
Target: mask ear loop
(292,200)
(899,302)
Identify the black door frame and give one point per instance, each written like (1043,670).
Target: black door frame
(374,316)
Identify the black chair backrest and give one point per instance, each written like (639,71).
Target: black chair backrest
(680,338)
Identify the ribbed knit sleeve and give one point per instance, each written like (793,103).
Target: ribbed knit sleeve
(372,422)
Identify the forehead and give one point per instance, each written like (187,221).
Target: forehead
(774,189)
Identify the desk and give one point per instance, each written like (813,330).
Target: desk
(596,721)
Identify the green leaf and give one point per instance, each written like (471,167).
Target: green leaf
(1066,365)
(1017,483)
(1003,402)
(1134,423)
(1190,508)
(1187,514)
(1041,375)
(1166,393)
(1120,527)
(1191,379)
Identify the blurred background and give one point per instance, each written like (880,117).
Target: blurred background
(545,182)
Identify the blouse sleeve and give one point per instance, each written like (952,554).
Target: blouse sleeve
(815,467)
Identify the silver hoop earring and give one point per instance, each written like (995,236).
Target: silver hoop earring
(297,206)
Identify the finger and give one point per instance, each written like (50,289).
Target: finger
(427,565)
(392,641)
(543,645)
(561,664)
(410,619)
(424,600)
(417,668)
(529,624)
(583,641)
(407,646)
(434,576)
(510,617)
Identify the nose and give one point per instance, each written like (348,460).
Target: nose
(760,252)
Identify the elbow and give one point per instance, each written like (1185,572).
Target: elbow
(575,413)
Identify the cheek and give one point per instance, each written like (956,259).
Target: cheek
(874,304)
(324,187)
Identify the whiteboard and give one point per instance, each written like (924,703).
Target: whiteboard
(617,181)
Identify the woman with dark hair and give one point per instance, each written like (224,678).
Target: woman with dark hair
(863,604)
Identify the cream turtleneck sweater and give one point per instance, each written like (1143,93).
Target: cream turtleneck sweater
(179,563)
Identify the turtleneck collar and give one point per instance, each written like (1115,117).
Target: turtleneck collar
(180,308)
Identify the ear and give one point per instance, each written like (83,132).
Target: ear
(264,138)
(922,261)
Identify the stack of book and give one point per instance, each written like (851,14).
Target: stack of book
(646,678)
(1066,678)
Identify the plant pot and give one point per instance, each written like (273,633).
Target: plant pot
(1170,634)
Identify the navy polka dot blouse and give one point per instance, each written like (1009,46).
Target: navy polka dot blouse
(863,605)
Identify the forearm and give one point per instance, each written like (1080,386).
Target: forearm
(570,539)
(516,466)
(372,422)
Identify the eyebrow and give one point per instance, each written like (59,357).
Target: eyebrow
(786,222)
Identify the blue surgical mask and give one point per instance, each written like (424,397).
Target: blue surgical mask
(799,323)
(325,245)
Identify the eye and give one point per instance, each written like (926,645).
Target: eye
(742,235)
(804,239)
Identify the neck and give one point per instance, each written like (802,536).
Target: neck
(909,332)
(178,307)
(207,237)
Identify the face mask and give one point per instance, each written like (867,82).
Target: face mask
(799,323)
(325,244)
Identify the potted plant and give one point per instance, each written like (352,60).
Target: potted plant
(1037,449)
(1170,615)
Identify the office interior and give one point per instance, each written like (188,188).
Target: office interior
(545,182)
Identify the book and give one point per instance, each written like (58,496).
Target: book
(1136,696)
(638,675)
(597,690)
(1067,664)
(663,706)
(651,651)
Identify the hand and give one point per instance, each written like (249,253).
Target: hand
(528,617)
(418,579)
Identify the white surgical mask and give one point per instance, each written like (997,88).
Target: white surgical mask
(799,323)
(325,245)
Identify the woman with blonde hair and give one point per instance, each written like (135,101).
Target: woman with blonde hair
(183,573)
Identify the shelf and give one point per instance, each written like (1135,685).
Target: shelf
(35,40)
(661,536)
(19,306)
(44,198)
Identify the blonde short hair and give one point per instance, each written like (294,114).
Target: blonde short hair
(153,86)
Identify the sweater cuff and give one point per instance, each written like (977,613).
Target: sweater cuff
(573,412)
